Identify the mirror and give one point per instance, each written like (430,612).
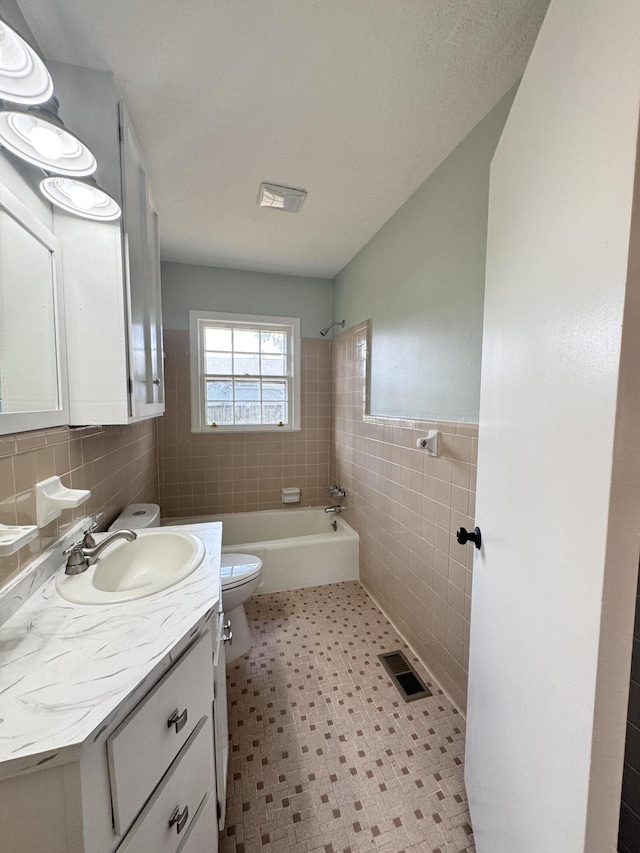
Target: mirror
(33,391)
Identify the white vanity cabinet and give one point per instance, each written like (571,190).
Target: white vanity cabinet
(146,783)
(111,270)
(113,736)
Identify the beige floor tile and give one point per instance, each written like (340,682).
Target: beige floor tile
(325,755)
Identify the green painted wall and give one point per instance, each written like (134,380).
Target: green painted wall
(420,280)
(186,286)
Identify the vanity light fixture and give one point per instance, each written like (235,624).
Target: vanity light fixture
(281,198)
(82,198)
(38,135)
(24,78)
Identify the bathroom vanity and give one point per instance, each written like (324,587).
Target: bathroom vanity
(109,723)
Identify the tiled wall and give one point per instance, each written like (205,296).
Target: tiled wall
(406,507)
(118,464)
(202,474)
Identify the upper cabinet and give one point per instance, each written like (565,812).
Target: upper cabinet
(33,379)
(111,270)
(142,263)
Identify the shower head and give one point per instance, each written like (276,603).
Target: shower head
(323,332)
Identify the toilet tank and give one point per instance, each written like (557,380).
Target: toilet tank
(136,516)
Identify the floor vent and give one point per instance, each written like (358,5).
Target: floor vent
(409,684)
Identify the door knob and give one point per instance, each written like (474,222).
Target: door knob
(463,536)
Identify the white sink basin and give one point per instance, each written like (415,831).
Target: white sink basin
(156,560)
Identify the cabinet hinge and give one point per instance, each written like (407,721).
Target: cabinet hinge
(219,809)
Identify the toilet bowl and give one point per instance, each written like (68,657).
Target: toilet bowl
(240,576)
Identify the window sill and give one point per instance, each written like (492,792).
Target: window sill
(244,430)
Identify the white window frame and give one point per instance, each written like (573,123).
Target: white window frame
(198,321)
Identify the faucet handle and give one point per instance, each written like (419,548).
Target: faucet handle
(89,540)
(336,491)
(76,560)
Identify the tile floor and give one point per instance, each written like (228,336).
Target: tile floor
(325,755)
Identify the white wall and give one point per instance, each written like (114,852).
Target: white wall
(420,280)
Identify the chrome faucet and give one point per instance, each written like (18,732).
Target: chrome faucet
(81,555)
(336,491)
(336,509)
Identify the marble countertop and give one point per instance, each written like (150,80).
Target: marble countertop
(65,668)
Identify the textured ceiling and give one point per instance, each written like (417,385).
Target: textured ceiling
(356,101)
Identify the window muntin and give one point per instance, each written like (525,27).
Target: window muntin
(245,372)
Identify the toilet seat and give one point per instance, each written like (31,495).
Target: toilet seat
(238,569)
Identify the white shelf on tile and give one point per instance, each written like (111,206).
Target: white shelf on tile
(12,537)
(52,497)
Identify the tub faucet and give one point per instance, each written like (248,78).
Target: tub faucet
(336,491)
(80,557)
(336,509)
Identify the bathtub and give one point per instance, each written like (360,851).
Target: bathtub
(298,547)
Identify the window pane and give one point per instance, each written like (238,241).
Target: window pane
(274,342)
(246,373)
(220,413)
(245,363)
(274,365)
(247,413)
(246,340)
(247,389)
(217,362)
(273,413)
(219,339)
(274,391)
(219,390)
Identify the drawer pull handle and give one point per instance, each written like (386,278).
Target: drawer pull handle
(179,819)
(178,720)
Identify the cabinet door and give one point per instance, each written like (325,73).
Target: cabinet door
(155,307)
(220,720)
(142,268)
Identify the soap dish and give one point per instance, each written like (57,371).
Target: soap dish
(52,497)
(12,538)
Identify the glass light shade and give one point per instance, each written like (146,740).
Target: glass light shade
(82,198)
(24,78)
(40,138)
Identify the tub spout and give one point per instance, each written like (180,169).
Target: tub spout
(336,509)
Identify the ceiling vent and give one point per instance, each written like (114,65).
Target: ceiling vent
(281,198)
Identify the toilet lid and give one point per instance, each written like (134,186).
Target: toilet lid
(236,569)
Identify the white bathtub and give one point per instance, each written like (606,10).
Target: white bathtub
(298,547)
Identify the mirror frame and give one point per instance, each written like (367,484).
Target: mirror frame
(11,422)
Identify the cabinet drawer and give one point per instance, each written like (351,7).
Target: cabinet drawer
(143,746)
(186,785)
(202,835)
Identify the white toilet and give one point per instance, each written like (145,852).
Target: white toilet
(240,576)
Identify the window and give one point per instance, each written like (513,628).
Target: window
(245,372)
